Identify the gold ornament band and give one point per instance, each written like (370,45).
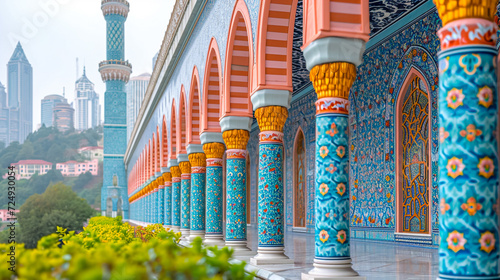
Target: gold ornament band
(185,167)
(236,139)
(161,181)
(451,10)
(333,79)
(214,150)
(198,160)
(271,118)
(176,171)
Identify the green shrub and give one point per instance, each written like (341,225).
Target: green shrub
(108,249)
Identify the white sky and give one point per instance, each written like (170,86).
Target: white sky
(54,33)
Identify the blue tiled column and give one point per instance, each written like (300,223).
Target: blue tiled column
(213,217)
(332,250)
(236,175)
(176,197)
(271,249)
(468,152)
(161,200)
(185,198)
(168,199)
(197,211)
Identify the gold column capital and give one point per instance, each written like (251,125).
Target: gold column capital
(185,167)
(271,118)
(333,79)
(236,139)
(198,160)
(214,150)
(167,177)
(160,180)
(451,10)
(176,171)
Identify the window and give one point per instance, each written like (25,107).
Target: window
(413,170)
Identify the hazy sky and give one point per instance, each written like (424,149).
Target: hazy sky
(54,33)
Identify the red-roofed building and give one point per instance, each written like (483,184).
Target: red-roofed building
(73,168)
(5,215)
(27,168)
(91,152)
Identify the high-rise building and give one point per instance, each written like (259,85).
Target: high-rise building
(63,116)
(20,95)
(136,88)
(87,108)
(48,103)
(115,72)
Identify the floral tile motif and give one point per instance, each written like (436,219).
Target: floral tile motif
(214,200)
(236,222)
(468,160)
(185,203)
(197,201)
(332,205)
(270,217)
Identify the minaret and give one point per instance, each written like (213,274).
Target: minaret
(115,72)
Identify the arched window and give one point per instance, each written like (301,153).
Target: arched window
(299,180)
(413,159)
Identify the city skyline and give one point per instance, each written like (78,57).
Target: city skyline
(53,36)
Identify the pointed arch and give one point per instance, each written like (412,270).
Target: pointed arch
(164,143)
(181,122)
(212,90)
(239,64)
(150,158)
(153,153)
(299,180)
(275,44)
(194,117)
(158,150)
(173,132)
(413,153)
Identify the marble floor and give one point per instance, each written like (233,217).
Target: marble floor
(375,260)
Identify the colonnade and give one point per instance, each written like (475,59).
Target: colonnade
(468,178)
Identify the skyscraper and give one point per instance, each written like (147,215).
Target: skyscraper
(48,103)
(136,88)
(87,108)
(20,95)
(63,116)
(115,72)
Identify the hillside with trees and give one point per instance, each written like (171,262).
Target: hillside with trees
(49,144)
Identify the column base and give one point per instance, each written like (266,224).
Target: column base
(168,226)
(213,240)
(270,255)
(332,270)
(185,233)
(196,233)
(237,246)
(176,228)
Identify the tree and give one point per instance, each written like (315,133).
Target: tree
(57,206)
(82,181)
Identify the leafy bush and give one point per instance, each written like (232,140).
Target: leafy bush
(95,254)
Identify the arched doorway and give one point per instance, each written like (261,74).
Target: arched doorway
(109,207)
(413,159)
(299,180)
